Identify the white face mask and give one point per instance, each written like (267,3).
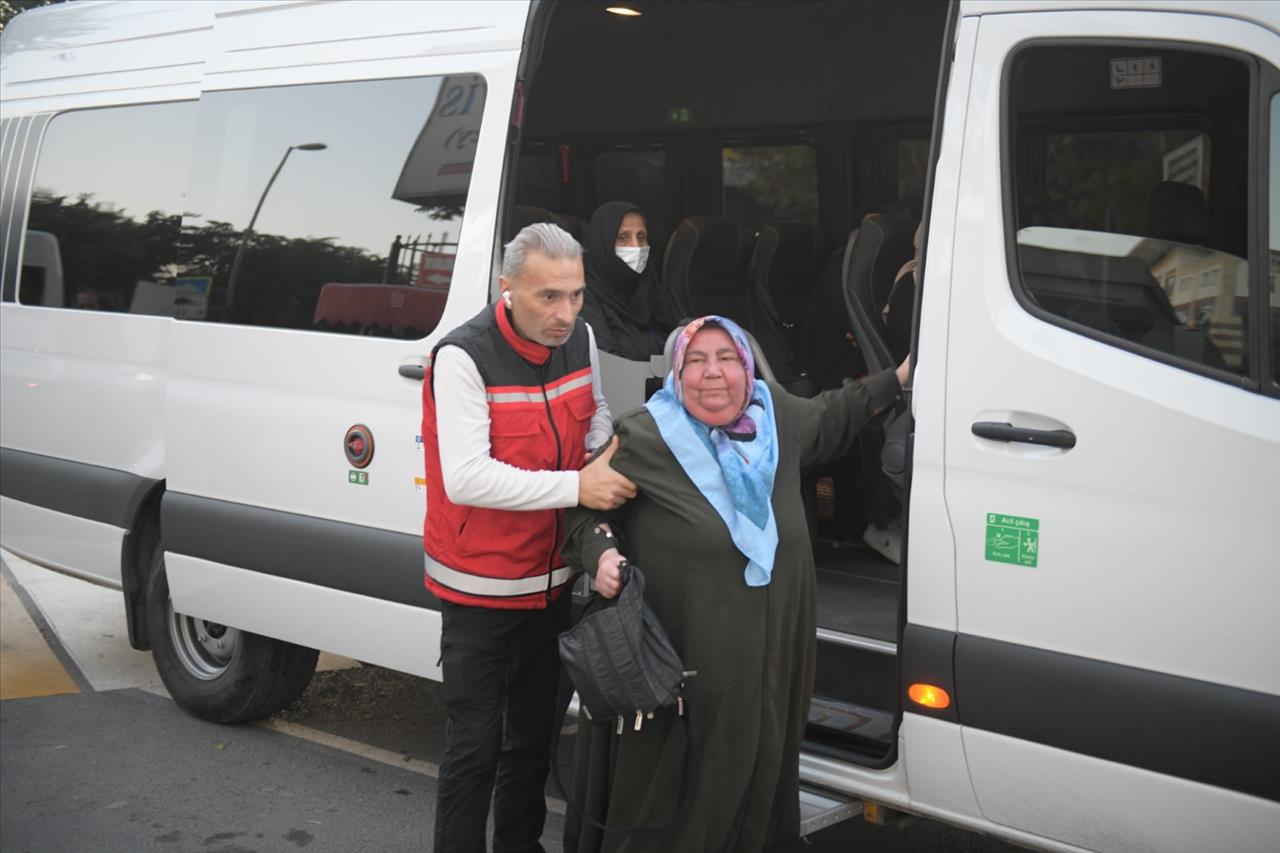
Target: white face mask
(634,256)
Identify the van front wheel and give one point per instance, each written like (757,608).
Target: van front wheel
(216,672)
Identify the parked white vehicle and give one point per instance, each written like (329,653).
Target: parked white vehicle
(232,232)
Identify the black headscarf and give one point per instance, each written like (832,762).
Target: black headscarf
(630,312)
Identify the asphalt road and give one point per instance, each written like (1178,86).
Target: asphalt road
(94,756)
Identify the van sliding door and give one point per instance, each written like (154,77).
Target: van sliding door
(1112,445)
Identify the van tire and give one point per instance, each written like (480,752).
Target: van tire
(221,674)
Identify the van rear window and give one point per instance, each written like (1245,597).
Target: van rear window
(770,183)
(637,175)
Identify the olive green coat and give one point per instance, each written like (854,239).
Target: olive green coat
(753,648)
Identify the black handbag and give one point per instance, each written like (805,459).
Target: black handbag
(622,664)
(620,659)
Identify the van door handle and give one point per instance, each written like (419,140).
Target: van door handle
(1063,438)
(413,371)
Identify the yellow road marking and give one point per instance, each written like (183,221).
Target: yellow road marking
(355,747)
(330,662)
(370,752)
(28,667)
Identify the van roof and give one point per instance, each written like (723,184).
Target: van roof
(1265,14)
(116,51)
(156,49)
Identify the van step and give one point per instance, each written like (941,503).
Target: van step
(820,809)
(869,723)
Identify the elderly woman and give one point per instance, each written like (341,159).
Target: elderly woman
(629,310)
(719,529)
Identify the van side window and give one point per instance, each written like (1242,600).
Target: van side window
(637,175)
(106,207)
(332,207)
(1130,196)
(769,183)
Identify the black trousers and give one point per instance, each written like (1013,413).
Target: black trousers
(501,671)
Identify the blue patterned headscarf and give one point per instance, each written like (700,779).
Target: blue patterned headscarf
(734,465)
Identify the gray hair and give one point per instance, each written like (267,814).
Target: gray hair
(543,237)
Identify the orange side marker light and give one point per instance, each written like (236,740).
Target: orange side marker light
(929,695)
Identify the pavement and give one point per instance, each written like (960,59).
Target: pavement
(95,756)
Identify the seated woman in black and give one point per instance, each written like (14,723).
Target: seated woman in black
(629,310)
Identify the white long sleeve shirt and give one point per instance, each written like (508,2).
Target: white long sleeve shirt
(472,477)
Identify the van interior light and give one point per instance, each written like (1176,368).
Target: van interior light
(625,11)
(929,696)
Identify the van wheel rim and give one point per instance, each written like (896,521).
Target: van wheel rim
(204,648)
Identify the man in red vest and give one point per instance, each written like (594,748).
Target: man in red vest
(511,403)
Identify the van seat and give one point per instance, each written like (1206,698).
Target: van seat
(783,273)
(706,267)
(875,253)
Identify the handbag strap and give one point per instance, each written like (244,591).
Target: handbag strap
(565,695)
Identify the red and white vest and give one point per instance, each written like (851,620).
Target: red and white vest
(540,408)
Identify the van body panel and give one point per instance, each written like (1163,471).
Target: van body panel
(1097,804)
(931,585)
(933,754)
(99,51)
(299,547)
(1251,11)
(353,41)
(70,544)
(95,492)
(249,42)
(397,636)
(286,426)
(284,431)
(66,371)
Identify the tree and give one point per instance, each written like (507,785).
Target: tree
(9,9)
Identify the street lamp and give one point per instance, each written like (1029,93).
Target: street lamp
(244,238)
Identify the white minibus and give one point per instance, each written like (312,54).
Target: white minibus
(1048,580)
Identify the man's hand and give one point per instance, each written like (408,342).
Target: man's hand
(903,371)
(601,487)
(609,573)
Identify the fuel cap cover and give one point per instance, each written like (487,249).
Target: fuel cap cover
(358,446)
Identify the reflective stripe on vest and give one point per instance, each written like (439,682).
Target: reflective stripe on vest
(537,396)
(470,584)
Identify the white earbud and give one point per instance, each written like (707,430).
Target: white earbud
(506,297)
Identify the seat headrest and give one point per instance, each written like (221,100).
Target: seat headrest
(791,255)
(1178,212)
(575,225)
(719,246)
(524,215)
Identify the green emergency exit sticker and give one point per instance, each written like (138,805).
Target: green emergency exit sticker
(360,478)
(1012,539)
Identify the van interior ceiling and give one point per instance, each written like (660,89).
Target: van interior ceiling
(772,128)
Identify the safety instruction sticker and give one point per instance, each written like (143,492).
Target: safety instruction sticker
(1013,539)
(359,478)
